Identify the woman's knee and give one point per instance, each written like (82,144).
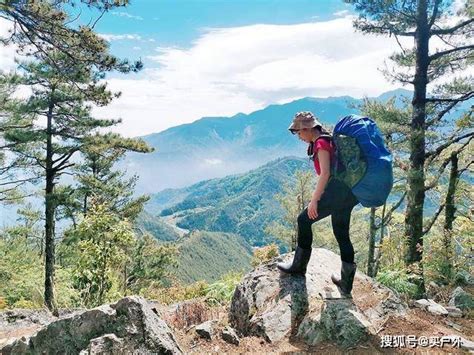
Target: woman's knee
(303,218)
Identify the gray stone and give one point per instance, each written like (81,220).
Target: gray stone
(461,299)
(108,344)
(463,278)
(229,335)
(422,303)
(274,305)
(343,323)
(130,324)
(437,309)
(206,330)
(463,342)
(454,311)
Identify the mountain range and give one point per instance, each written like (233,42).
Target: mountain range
(215,147)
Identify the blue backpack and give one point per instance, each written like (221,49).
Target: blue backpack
(362,160)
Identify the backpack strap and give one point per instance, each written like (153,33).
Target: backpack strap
(310,150)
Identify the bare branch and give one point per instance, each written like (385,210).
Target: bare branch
(433,219)
(388,215)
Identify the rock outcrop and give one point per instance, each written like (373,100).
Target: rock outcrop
(462,299)
(128,326)
(274,305)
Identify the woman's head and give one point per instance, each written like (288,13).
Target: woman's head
(306,126)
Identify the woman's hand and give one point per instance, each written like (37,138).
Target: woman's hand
(313,209)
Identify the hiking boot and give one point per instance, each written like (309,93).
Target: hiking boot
(344,283)
(299,264)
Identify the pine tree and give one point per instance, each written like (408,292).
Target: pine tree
(44,27)
(421,66)
(62,95)
(97,177)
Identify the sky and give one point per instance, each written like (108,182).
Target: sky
(221,57)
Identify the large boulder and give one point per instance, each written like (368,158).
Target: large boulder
(461,299)
(128,326)
(274,305)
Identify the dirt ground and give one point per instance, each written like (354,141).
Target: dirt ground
(417,323)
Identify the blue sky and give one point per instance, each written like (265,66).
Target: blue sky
(180,22)
(221,57)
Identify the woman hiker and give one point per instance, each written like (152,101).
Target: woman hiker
(331,197)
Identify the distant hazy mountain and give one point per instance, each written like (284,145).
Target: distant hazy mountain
(243,204)
(219,146)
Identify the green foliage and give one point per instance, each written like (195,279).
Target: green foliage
(264,254)
(221,292)
(146,223)
(22,275)
(398,280)
(293,199)
(177,292)
(149,263)
(241,204)
(209,255)
(104,242)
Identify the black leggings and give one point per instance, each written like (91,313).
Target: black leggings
(337,201)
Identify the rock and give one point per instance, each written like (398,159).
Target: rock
(206,330)
(230,336)
(274,305)
(422,303)
(467,344)
(437,309)
(454,326)
(463,342)
(461,299)
(463,278)
(454,311)
(128,326)
(108,344)
(431,306)
(339,322)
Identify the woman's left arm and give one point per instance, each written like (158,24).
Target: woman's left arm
(325,166)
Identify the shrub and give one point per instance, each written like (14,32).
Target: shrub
(264,254)
(221,292)
(398,280)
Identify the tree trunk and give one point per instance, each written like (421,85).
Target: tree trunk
(378,253)
(372,235)
(416,176)
(450,211)
(50,202)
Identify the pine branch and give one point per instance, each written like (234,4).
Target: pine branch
(433,154)
(442,113)
(438,55)
(451,30)
(435,13)
(445,164)
(464,97)
(466,168)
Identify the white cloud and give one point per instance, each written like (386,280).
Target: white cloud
(112,37)
(7,53)
(127,15)
(341,13)
(243,69)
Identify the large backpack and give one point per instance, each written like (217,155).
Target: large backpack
(362,161)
